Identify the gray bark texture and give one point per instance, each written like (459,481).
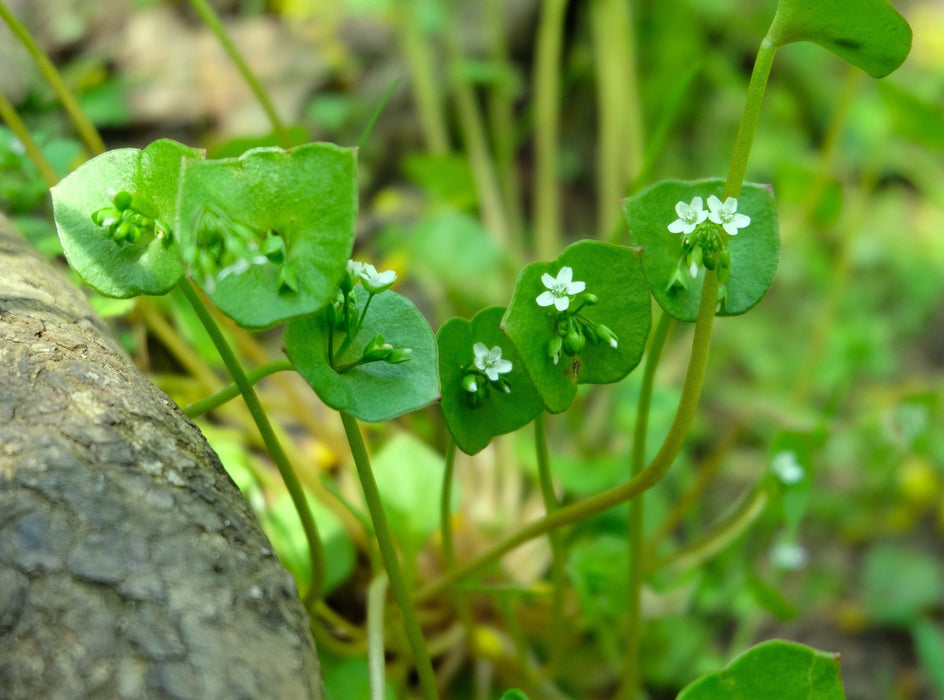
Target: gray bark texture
(130,565)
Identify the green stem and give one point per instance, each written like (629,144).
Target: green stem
(198,408)
(630,681)
(649,477)
(376,663)
(745,135)
(20,130)
(388,552)
(558,571)
(422,78)
(82,124)
(473,134)
(546,100)
(315,549)
(212,20)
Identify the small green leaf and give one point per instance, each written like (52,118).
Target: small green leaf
(514,694)
(376,391)
(614,275)
(499,412)
(900,584)
(773,670)
(755,250)
(121,268)
(230,209)
(869,34)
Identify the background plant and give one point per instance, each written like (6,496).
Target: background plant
(837,402)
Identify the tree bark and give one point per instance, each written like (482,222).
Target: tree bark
(130,565)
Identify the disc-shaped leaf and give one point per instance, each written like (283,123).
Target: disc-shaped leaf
(377,391)
(869,34)
(115,268)
(775,670)
(614,275)
(307,197)
(755,249)
(499,412)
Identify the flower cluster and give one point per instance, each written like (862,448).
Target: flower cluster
(704,238)
(346,316)
(222,247)
(125,223)
(486,371)
(571,329)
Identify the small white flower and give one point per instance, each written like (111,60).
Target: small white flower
(490,361)
(690,215)
(725,214)
(471,386)
(559,289)
(373,281)
(789,555)
(787,468)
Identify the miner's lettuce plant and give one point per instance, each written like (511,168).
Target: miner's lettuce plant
(267,238)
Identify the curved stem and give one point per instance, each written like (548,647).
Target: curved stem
(18,127)
(558,572)
(315,549)
(213,22)
(198,408)
(82,123)
(647,478)
(630,680)
(745,135)
(388,552)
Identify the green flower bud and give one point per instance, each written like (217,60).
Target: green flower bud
(123,200)
(399,355)
(574,342)
(554,348)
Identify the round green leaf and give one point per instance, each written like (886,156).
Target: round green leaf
(869,34)
(755,250)
(122,269)
(307,197)
(775,670)
(377,391)
(499,413)
(614,275)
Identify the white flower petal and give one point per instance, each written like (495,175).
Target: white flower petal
(561,303)
(546,299)
(576,287)
(503,366)
(565,276)
(548,281)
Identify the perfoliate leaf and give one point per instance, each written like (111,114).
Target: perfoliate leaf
(773,670)
(376,391)
(869,34)
(267,235)
(122,266)
(613,274)
(498,412)
(754,251)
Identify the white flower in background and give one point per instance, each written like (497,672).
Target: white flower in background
(690,215)
(490,361)
(373,281)
(789,555)
(725,214)
(787,468)
(559,289)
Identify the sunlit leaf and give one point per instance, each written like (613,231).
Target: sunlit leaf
(773,670)
(304,198)
(869,34)
(116,268)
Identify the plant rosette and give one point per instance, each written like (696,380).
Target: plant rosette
(581,319)
(372,391)
(113,214)
(738,238)
(267,235)
(485,390)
